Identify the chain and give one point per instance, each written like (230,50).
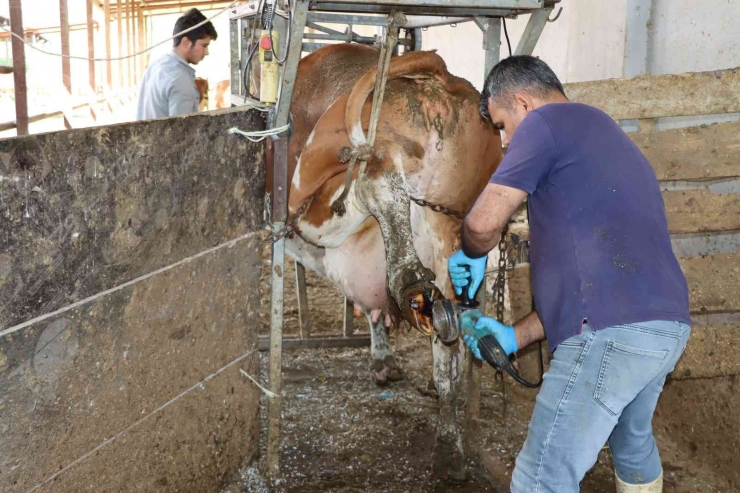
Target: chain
(289,229)
(438,208)
(500,276)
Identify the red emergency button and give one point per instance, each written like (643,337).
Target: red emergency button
(265,43)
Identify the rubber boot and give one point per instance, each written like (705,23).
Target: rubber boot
(653,487)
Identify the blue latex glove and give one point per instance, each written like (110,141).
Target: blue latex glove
(474,327)
(466,271)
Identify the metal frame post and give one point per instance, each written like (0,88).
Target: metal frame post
(19,68)
(535,25)
(304,317)
(348,324)
(234,35)
(491,27)
(279,215)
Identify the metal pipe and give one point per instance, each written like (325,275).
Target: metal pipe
(19,68)
(459,4)
(279,216)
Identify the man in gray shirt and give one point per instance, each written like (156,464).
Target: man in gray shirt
(168,87)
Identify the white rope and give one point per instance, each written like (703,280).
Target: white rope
(28,323)
(256,105)
(259,135)
(108,441)
(254,381)
(126,56)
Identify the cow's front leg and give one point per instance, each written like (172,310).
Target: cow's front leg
(383,192)
(383,364)
(449,456)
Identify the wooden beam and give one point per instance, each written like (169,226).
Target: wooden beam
(130,42)
(713,282)
(175,6)
(694,153)
(64,24)
(108,64)
(90,46)
(142,42)
(19,69)
(699,211)
(119,34)
(692,94)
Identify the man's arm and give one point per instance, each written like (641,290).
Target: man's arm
(485,221)
(529,330)
(182,97)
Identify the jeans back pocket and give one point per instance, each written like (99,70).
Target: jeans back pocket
(624,372)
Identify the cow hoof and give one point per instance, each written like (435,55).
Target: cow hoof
(448,460)
(386,371)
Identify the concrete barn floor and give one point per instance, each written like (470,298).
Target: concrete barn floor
(342,433)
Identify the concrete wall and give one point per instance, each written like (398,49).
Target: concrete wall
(129,285)
(588,42)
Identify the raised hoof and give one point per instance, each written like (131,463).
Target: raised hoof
(448,461)
(386,371)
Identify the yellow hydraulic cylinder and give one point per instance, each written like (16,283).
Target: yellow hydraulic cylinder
(269,67)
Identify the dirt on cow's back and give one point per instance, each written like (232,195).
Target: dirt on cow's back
(343,433)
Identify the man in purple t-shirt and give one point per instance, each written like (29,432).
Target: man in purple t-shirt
(609,294)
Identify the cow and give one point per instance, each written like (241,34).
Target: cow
(223,94)
(202,86)
(385,252)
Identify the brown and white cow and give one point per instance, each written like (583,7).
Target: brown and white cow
(202,86)
(385,251)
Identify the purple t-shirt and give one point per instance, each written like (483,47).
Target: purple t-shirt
(600,248)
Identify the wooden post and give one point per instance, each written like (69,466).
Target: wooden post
(19,69)
(66,70)
(119,13)
(108,67)
(90,46)
(303,315)
(130,42)
(142,42)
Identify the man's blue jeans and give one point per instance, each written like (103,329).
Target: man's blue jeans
(601,386)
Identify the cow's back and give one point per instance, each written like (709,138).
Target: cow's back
(323,76)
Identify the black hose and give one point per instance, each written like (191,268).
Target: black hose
(492,347)
(506,33)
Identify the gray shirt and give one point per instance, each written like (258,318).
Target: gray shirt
(168,89)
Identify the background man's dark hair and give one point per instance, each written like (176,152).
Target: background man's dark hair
(521,73)
(189,19)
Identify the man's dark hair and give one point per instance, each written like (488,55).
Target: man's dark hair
(191,18)
(520,73)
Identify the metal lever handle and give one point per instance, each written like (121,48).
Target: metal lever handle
(466,302)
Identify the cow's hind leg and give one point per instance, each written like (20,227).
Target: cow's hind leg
(449,456)
(383,192)
(383,364)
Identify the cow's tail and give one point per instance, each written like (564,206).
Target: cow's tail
(416,64)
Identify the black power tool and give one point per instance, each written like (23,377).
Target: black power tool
(446,319)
